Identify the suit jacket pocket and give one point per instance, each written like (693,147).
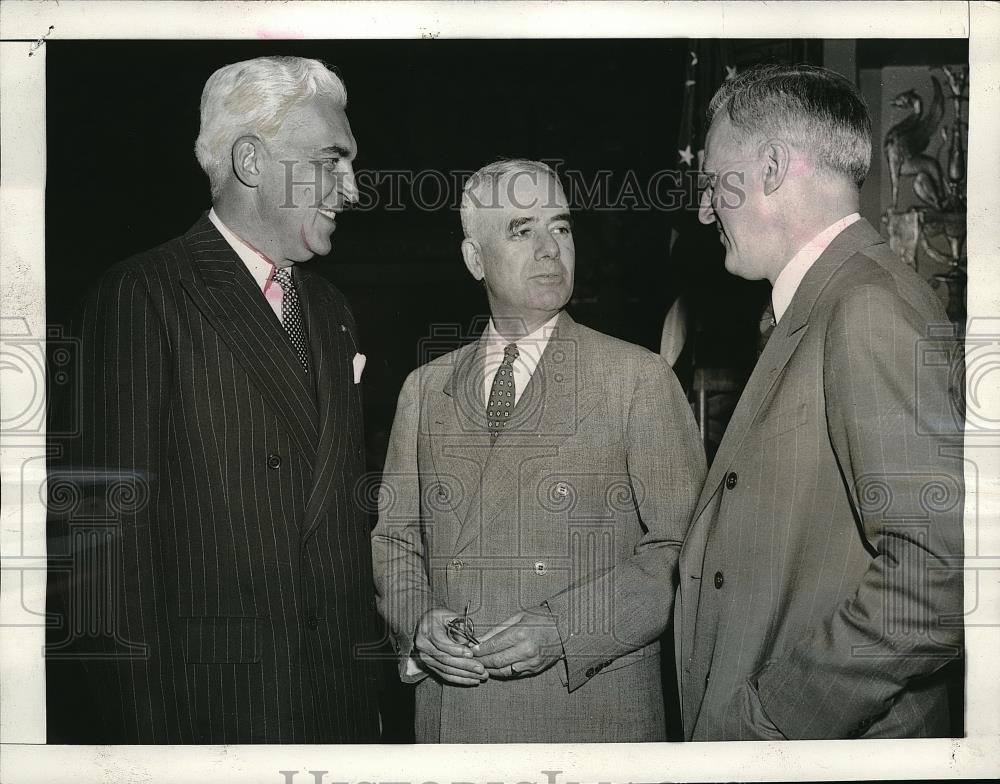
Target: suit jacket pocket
(221,640)
(757,725)
(785,418)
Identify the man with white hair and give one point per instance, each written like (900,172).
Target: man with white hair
(223,373)
(538,484)
(820,587)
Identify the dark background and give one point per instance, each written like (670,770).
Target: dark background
(122,118)
(122,177)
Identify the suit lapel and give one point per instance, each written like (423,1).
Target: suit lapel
(555,399)
(780,348)
(466,395)
(332,350)
(548,411)
(460,441)
(226,294)
(776,355)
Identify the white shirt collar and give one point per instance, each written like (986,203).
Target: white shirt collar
(529,353)
(261,269)
(788,280)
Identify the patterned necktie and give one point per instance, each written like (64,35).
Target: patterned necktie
(501,402)
(767,325)
(291,314)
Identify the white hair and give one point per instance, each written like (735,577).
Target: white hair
(474,194)
(254,97)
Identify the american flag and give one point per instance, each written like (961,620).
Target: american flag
(709,64)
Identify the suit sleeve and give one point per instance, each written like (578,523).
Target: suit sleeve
(116,461)
(897,441)
(402,588)
(630,605)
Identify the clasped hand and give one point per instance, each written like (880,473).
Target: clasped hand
(524,645)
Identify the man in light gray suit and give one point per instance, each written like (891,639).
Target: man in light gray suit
(538,486)
(820,584)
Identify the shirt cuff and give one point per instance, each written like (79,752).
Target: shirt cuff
(410,671)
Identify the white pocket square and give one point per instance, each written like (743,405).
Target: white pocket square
(359,366)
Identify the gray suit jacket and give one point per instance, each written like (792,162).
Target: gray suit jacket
(582,502)
(820,590)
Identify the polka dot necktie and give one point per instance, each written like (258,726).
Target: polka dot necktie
(501,403)
(291,314)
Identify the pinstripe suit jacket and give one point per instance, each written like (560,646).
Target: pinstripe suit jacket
(583,502)
(819,591)
(241,572)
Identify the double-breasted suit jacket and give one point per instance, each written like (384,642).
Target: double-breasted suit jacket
(582,501)
(240,572)
(820,587)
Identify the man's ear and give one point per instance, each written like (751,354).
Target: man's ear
(473,258)
(248,160)
(776,159)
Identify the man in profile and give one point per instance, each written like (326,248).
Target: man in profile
(820,583)
(538,484)
(221,374)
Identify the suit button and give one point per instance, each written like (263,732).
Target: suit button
(274,461)
(540,568)
(457,565)
(312,622)
(731,480)
(591,672)
(719,579)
